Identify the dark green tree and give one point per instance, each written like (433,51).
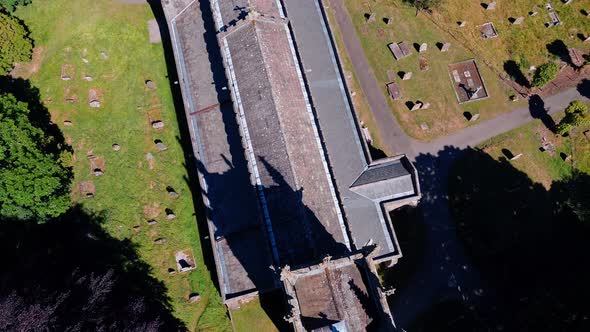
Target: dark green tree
(545,74)
(576,114)
(34,181)
(12,4)
(15,44)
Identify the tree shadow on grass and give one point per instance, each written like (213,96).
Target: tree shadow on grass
(514,71)
(526,240)
(559,50)
(584,88)
(69,274)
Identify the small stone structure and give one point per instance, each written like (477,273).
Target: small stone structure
(370,17)
(467,81)
(423,48)
(518,20)
(407,75)
(67,72)
(445,47)
(400,50)
(93,98)
(491,6)
(394,91)
(184,260)
(158,124)
(488,30)
(161,146)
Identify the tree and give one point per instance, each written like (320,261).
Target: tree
(423,4)
(34,182)
(15,44)
(12,4)
(576,114)
(545,74)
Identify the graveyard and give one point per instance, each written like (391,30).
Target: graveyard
(426,105)
(545,157)
(524,29)
(117,113)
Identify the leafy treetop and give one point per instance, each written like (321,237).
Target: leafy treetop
(576,114)
(34,182)
(12,4)
(15,45)
(545,74)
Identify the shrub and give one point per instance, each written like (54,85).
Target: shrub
(576,114)
(15,45)
(545,74)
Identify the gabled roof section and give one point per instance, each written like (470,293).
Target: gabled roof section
(386,180)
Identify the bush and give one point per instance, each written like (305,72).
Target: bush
(576,114)
(15,44)
(545,74)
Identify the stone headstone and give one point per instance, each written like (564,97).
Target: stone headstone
(371,17)
(151,222)
(97,172)
(424,126)
(491,6)
(416,106)
(94,103)
(170,216)
(194,297)
(407,75)
(116,147)
(173,194)
(387,20)
(171,271)
(85,60)
(587,39)
(160,240)
(89,195)
(158,124)
(423,47)
(68,123)
(445,47)
(88,78)
(474,118)
(462,24)
(533,13)
(161,146)
(516,157)
(518,20)
(104,55)
(150,84)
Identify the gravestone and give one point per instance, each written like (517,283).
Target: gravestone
(445,47)
(475,117)
(518,20)
(150,84)
(587,39)
(387,20)
(104,55)
(116,147)
(370,17)
(516,157)
(194,297)
(533,13)
(407,75)
(68,123)
(424,126)
(491,6)
(158,124)
(423,47)
(88,78)
(416,106)
(151,222)
(161,146)
(462,24)
(160,240)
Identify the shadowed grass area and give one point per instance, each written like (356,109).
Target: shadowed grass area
(107,42)
(445,115)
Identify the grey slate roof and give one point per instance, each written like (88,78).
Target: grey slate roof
(385,181)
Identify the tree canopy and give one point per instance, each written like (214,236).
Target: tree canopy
(545,74)
(34,182)
(423,4)
(15,44)
(576,114)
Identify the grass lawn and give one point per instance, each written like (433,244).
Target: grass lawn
(251,317)
(132,189)
(542,167)
(526,43)
(445,115)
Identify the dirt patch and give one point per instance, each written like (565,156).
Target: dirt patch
(70,94)
(26,70)
(97,164)
(151,161)
(67,72)
(154,115)
(87,189)
(152,210)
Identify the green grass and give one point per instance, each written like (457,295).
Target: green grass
(67,31)
(445,115)
(541,167)
(526,42)
(252,317)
